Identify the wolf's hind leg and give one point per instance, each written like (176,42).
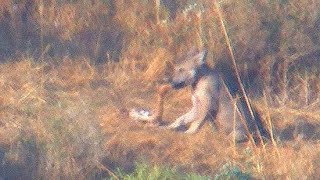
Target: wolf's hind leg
(201,109)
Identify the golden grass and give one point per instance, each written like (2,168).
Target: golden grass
(27,102)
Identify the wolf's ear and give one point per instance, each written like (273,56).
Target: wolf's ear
(200,58)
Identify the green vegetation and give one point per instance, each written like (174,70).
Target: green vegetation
(228,171)
(147,172)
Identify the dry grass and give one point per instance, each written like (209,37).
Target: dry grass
(64,116)
(48,127)
(66,119)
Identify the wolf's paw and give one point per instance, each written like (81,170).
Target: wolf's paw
(167,127)
(190,131)
(174,125)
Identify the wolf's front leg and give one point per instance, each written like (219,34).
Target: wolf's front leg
(182,120)
(178,122)
(186,118)
(201,109)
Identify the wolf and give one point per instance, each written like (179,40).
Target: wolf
(210,98)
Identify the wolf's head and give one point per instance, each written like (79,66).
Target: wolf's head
(186,72)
